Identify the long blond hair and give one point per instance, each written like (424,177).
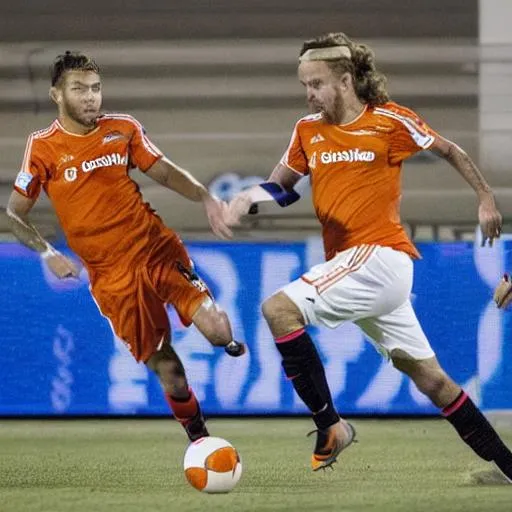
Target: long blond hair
(369,83)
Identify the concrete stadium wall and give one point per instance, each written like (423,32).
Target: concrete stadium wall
(180,19)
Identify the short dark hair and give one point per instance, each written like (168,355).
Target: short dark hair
(71,61)
(369,83)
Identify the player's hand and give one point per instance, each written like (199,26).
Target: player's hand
(238,207)
(490,220)
(61,266)
(503,292)
(216,211)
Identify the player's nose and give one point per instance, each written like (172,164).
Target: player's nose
(90,96)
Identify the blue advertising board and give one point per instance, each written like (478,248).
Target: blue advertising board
(59,355)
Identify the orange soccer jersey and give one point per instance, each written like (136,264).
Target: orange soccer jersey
(86,178)
(135,263)
(355,174)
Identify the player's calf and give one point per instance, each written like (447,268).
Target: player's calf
(214,325)
(301,361)
(469,422)
(180,397)
(188,412)
(170,371)
(476,431)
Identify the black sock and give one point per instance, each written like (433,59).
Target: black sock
(302,365)
(478,433)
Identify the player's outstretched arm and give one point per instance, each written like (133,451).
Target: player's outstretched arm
(17,211)
(278,188)
(170,175)
(488,214)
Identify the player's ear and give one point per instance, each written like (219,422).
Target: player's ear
(55,94)
(346,81)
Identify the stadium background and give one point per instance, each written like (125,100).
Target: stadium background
(215,87)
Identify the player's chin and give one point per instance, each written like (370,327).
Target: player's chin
(89,118)
(314,108)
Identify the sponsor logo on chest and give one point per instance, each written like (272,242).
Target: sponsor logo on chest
(72,173)
(349,155)
(105,161)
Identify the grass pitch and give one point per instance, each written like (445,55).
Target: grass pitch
(136,466)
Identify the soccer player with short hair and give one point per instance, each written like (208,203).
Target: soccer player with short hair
(352,146)
(136,264)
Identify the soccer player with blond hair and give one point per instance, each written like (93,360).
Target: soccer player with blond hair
(352,146)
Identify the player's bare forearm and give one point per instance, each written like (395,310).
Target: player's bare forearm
(284,176)
(17,211)
(175,178)
(171,176)
(463,163)
(489,217)
(26,232)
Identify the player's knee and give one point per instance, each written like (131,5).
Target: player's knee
(214,324)
(170,369)
(281,314)
(277,306)
(268,308)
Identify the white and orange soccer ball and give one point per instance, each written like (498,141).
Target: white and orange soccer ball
(212,465)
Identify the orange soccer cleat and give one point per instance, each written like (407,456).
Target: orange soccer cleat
(330,443)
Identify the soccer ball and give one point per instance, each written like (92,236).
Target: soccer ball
(212,465)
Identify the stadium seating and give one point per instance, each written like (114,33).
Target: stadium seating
(223,107)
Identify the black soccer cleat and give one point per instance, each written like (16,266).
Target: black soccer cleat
(195,427)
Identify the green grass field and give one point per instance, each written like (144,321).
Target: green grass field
(136,465)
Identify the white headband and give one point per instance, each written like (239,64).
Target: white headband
(331,53)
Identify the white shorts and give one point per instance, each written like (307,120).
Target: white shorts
(370,286)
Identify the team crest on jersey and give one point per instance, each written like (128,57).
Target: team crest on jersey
(70,174)
(112,136)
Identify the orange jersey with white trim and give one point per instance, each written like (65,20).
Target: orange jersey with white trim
(99,206)
(355,174)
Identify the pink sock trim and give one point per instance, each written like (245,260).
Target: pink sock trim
(456,405)
(291,336)
(183,411)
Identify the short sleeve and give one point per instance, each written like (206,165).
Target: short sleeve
(411,135)
(32,173)
(143,153)
(294,157)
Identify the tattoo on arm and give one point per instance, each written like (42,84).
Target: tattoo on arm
(463,163)
(26,232)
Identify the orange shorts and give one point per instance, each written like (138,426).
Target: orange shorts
(133,297)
